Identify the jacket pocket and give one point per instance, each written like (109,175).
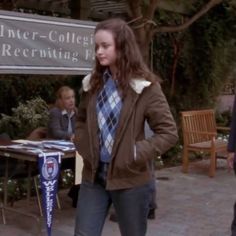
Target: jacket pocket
(136,163)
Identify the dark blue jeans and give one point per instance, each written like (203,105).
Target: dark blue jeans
(131,206)
(153,204)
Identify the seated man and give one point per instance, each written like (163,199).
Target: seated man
(62,117)
(61,125)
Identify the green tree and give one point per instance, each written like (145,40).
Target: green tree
(146,25)
(196,63)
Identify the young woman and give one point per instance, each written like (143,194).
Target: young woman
(117,98)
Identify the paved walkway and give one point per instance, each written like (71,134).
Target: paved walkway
(188,205)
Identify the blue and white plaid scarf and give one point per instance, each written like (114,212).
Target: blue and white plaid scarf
(108,108)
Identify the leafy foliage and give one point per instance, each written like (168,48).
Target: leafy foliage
(211,58)
(25,118)
(20,88)
(206,58)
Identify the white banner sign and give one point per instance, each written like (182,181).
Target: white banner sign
(33,44)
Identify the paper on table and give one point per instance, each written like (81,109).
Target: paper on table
(25,148)
(60,145)
(25,141)
(57,147)
(15,146)
(59,142)
(78,168)
(20,141)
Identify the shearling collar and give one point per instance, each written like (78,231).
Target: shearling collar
(64,112)
(136,84)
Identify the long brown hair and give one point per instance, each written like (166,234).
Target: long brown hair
(129,63)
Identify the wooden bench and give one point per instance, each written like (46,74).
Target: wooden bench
(200,134)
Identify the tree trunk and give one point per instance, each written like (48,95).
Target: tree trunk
(176,46)
(144,47)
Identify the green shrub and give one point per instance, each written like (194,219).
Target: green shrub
(25,118)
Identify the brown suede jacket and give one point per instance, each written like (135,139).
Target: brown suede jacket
(127,169)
